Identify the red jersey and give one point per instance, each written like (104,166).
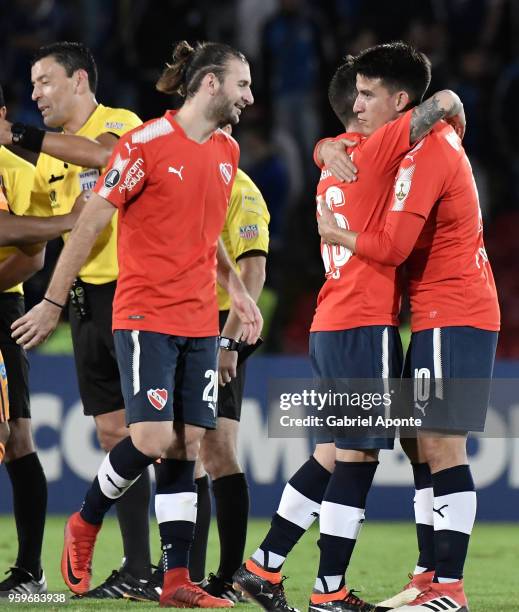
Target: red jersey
(449,275)
(172,195)
(357,292)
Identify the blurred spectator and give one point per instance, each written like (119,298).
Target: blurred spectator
(294,73)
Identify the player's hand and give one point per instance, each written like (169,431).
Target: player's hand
(458,122)
(227,364)
(249,315)
(336,159)
(6,137)
(326,224)
(36,325)
(79,204)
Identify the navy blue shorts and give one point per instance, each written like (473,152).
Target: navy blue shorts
(451,369)
(167,378)
(371,352)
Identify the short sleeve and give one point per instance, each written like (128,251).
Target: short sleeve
(39,198)
(250,218)
(125,174)
(387,145)
(419,181)
(20,197)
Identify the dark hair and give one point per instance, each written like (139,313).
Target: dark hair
(72,56)
(2,99)
(191,64)
(399,66)
(342,90)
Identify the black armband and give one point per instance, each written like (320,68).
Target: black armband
(27,136)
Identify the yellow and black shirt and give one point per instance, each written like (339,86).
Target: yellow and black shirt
(246,226)
(57,184)
(16,180)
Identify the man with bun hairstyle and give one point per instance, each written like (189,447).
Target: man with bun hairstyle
(170,180)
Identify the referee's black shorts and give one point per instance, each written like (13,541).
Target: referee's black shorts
(230,396)
(12,307)
(94,352)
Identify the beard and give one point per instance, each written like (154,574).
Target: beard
(222,111)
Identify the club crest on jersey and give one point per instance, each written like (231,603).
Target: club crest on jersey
(157,398)
(226,172)
(112,178)
(248,232)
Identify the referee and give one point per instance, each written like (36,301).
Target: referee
(64,77)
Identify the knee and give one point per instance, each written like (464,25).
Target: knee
(219,459)
(110,436)
(152,446)
(324,454)
(20,442)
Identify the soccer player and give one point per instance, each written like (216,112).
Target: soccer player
(64,77)
(171,181)
(245,236)
(435,225)
(21,460)
(354,335)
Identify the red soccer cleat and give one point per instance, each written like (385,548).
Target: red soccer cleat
(439,597)
(418,583)
(179,592)
(78,549)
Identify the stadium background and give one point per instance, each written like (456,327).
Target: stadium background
(293,46)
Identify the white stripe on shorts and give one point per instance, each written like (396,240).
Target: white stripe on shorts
(136,362)
(437,362)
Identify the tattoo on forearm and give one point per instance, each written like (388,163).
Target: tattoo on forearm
(442,104)
(424,116)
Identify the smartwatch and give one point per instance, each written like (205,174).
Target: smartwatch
(228,344)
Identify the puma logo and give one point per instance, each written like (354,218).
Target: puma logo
(130,148)
(439,511)
(120,489)
(177,172)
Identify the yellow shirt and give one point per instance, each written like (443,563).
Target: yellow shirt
(16,179)
(57,185)
(246,226)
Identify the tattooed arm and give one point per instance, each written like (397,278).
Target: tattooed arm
(444,104)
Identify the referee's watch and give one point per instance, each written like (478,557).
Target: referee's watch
(228,344)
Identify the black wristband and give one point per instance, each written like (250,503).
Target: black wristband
(229,344)
(27,136)
(60,306)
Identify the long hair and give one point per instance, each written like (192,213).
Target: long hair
(190,65)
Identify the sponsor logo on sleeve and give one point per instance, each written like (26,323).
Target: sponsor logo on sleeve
(226,172)
(112,177)
(133,176)
(249,232)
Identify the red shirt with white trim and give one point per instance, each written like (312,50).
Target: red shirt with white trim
(450,280)
(358,292)
(172,195)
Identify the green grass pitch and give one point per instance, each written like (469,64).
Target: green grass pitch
(385,553)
